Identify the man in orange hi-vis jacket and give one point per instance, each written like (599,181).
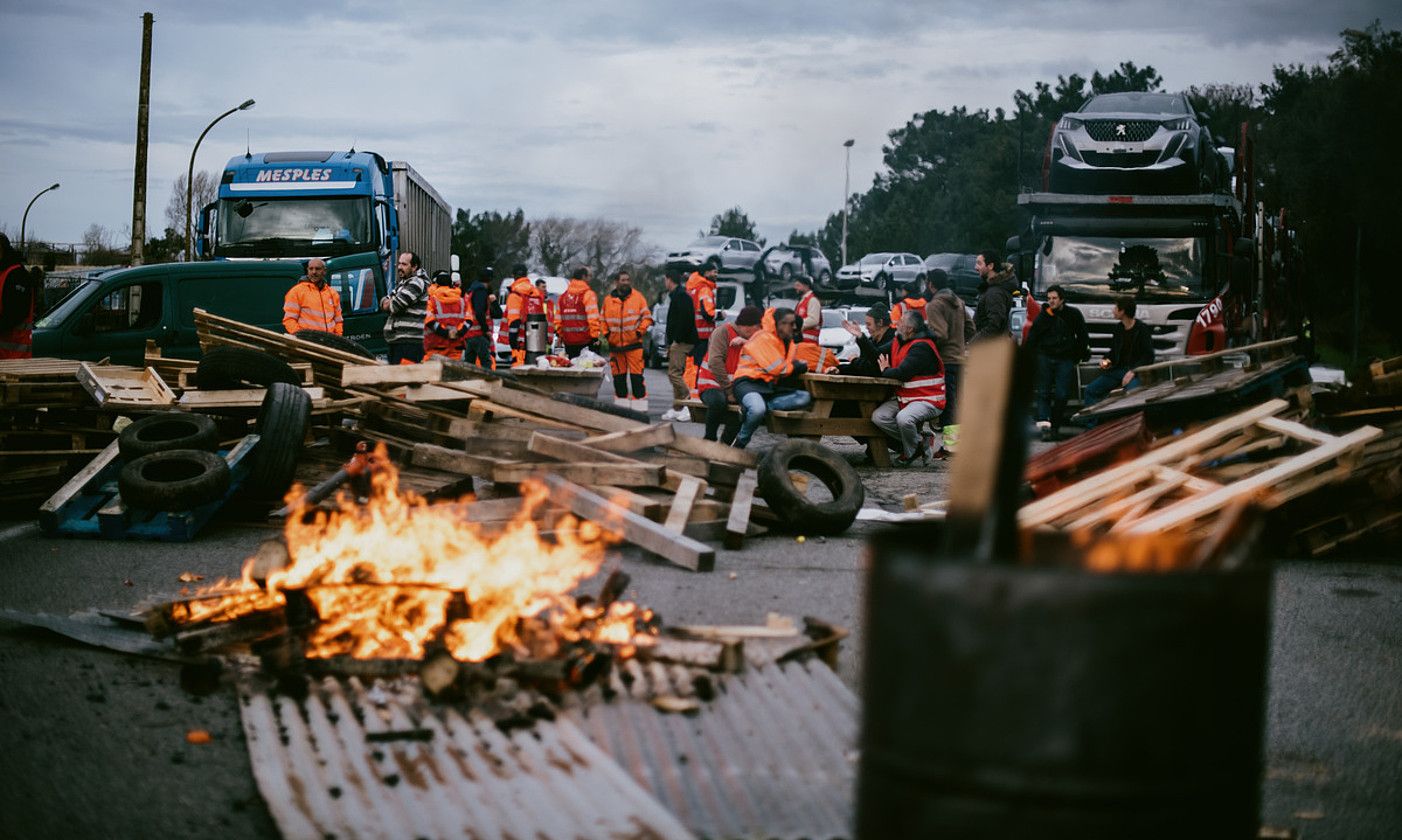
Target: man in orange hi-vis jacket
(311,304)
(701,287)
(522,300)
(763,380)
(577,311)
(626,320)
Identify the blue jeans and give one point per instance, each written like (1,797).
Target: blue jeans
(1056,381)
(753,407)
(1108,380)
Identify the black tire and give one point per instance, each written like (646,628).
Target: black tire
(786,273)
(179,479)
(166,431)
(600,405)
(282,428)
(825,278)
(335,342)
(794,509)
(237,367)
(882,281)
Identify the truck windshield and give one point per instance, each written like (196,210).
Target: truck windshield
(1101,268)
(274,227)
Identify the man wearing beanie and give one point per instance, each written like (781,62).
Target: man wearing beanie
(713,379)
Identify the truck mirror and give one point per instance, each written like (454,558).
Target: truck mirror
(85,325)
(244,209)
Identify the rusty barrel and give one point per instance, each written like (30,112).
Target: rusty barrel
(1047,702)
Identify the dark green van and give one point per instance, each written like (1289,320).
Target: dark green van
(113,315)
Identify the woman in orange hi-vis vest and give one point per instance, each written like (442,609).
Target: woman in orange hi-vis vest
(766,361)
(626,320)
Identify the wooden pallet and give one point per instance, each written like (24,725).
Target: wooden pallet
(326,363)
(125,388)
(90,505)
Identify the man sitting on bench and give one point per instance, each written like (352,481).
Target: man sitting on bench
(722,360)
(766,361)
(916,364)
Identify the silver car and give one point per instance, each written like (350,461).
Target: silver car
(783,261)
(726,253)
(884,272)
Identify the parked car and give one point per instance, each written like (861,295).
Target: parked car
(655,342)
(834,337)
(962,276)
(783,261)
(884,272)
(1135,143)
(726,253)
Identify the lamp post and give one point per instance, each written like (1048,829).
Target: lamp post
(190,180)
(24,220)
(846,196)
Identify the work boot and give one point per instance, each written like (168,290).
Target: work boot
(921,456)
(639,405)
(622,402)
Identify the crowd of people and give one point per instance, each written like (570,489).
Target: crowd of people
(743,368)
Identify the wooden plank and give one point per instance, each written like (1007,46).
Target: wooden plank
(622,475)
(568,450)
(432,392)
(644,533)
(454,461)
(682,503)
(48,511)
(238,397)
(632,440)
(741,503)
(416,374)
(860,427)
(1299,431)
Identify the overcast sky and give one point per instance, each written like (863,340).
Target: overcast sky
(653,113)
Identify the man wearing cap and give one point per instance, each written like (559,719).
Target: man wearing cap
(809,309)
(713,380)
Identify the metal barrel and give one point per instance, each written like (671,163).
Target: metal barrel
(1047,702)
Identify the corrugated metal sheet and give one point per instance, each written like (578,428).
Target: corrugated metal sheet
(771,754)
(321,777)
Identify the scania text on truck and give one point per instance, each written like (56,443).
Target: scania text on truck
(296,205)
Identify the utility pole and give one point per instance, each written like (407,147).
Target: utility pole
(846,195)
(143,119)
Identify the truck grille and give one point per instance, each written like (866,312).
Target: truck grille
(1135,131)
(1121,159)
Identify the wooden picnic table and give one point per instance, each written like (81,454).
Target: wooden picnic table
(842,405)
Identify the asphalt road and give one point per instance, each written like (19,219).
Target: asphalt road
(93,743)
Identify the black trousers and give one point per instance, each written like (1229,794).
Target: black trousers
(406,350)
(718,413)
(479,351)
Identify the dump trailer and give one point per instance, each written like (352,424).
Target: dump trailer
(297,205)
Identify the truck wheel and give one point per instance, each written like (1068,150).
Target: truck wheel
(167,431)
(235,367)
(282,427)
(331,341)
(180,479)
(797,512)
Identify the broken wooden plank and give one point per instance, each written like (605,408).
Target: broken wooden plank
(633,440)
(741,503)
(120,387)
(48,512)
(415,374)
(644,533)
(682,503)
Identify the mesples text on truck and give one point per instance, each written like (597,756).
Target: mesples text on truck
(296,205)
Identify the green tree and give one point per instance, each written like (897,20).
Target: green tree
(1226,108)
(734,222)
(491,240)
(1126,78)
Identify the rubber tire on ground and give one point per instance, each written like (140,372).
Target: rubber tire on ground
(236,367)
(282,428)
(166,431)
(600,405)
(795,510)
(332,341)
(174,480)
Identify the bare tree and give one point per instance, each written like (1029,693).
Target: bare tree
(557,242)
(561,243)
(206,189)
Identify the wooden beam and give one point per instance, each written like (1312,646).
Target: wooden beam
(454,461)
(416,374)
(644,533)
(660,434)
(739,520)
(682,503)
(622,475)
(48,512)
(568,450)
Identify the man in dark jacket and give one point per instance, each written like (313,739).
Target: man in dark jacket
(681,342)
(995,298)
(482,301)
(915,363)
(872,344)
(948,321)
(1059,338)
(1131,346)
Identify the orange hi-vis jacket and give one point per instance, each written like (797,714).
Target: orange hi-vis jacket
(703,299)
(523,299)
(705,379)
(766,321)
(817,357)
(809,307)
(579,314)
(626,321)
(308,308)
(446,309)
(906,305)
(927,387)
(764,358)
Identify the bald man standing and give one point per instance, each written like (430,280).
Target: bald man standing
(311,304)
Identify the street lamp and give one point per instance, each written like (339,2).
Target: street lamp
(25,219)
(190,180)
(846,196)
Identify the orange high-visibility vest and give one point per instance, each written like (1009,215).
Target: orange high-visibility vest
(809,300)
(901,307)
(308,308)
(928,388)
(522,300)
(764,358)
(626,321)
(703,300)
(817,358)
(705,379)
(446,308)
(578,314)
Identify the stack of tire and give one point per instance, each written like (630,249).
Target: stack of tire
(171,457)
